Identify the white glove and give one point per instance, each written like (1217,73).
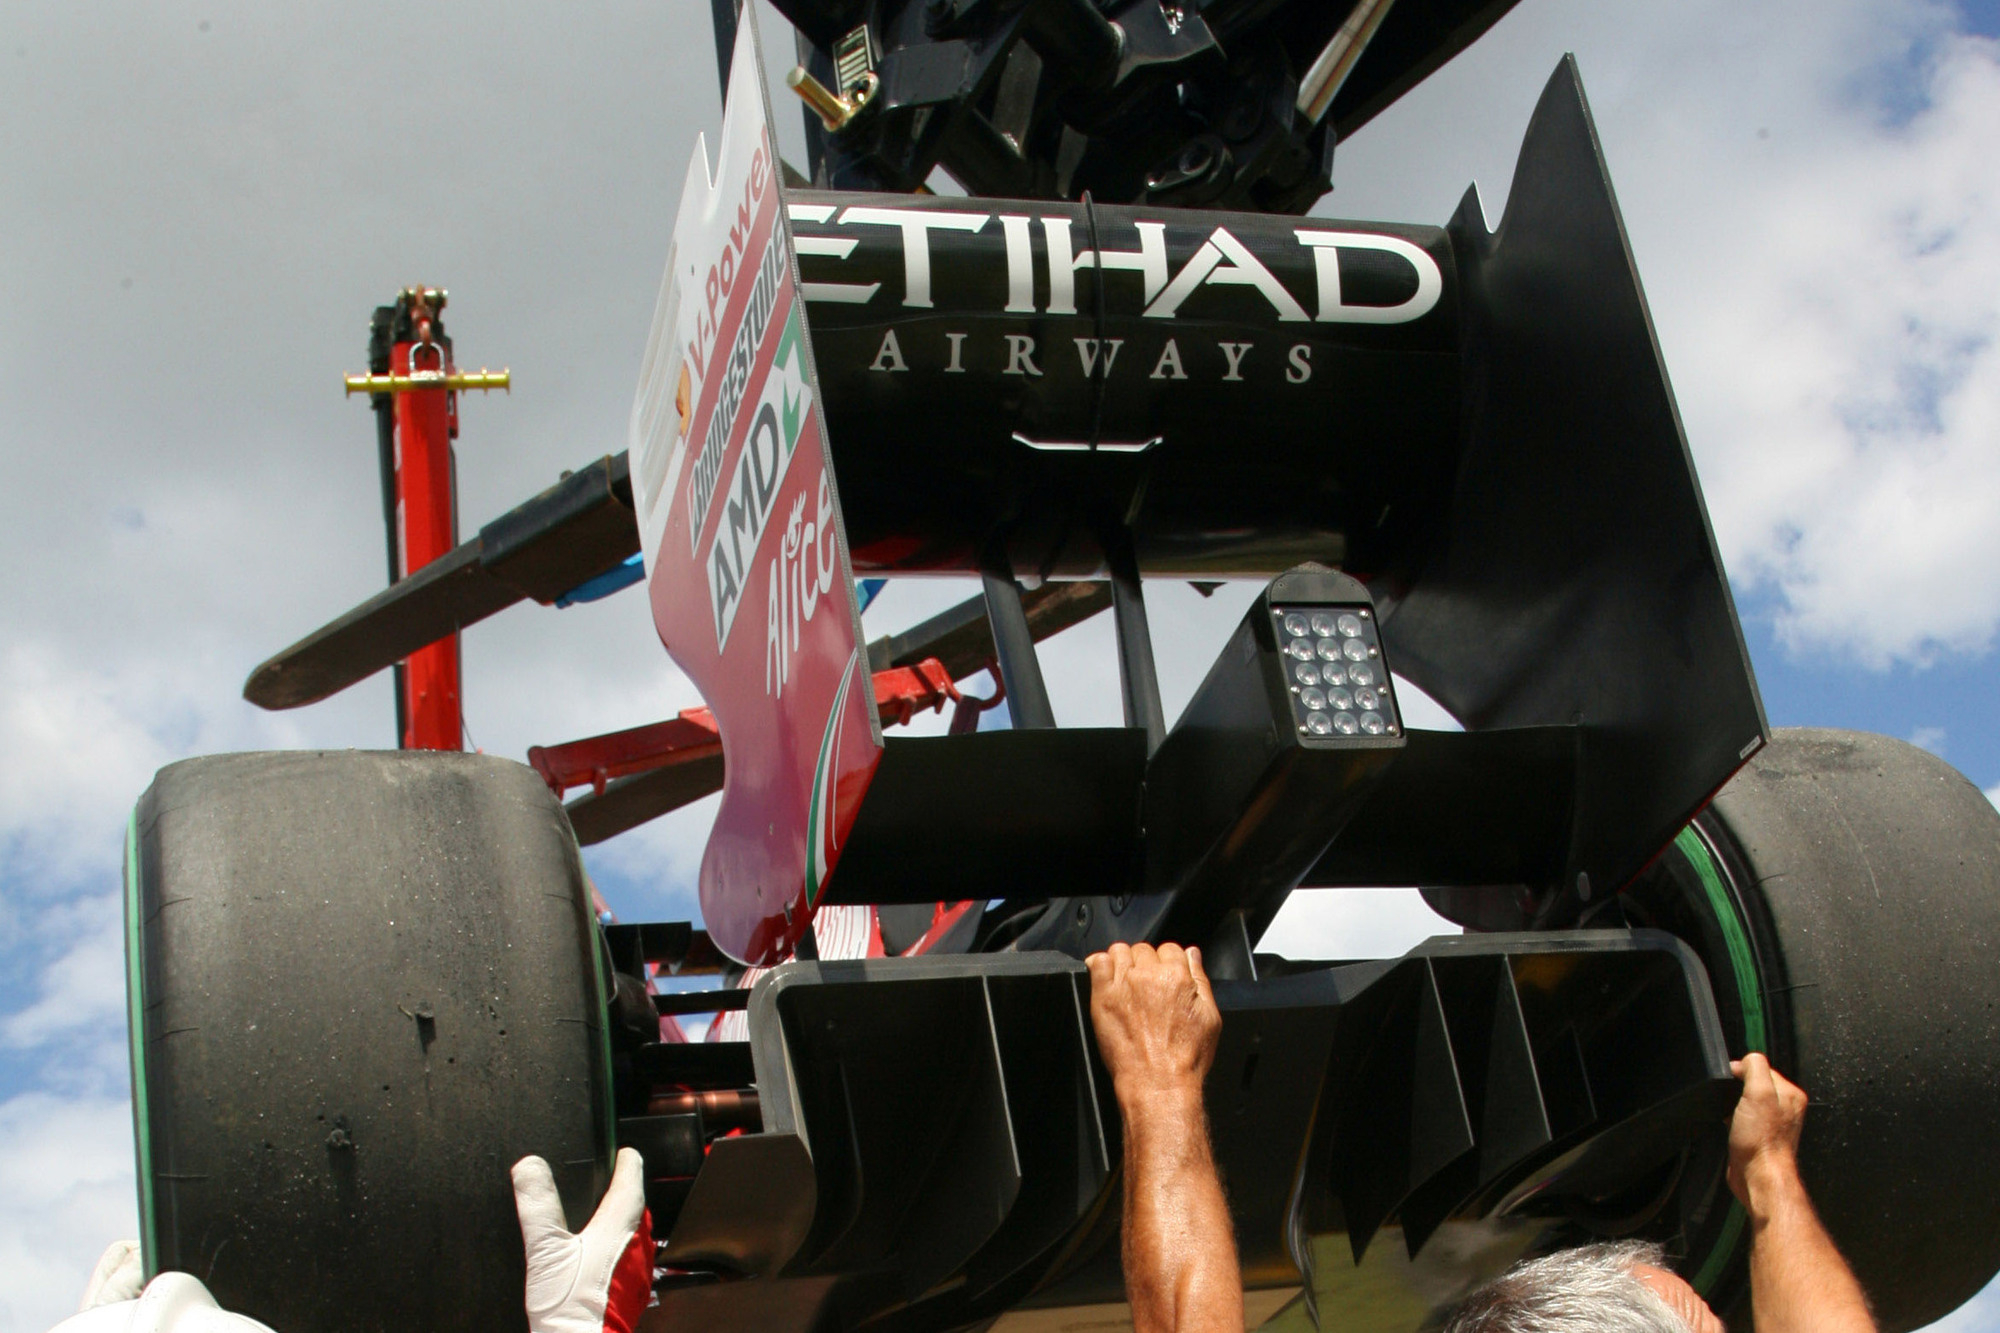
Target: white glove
(601,1280)
(117,1277)
(170,1303)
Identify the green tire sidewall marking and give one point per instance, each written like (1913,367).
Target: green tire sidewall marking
(606,1091)
(135,1018)
(1725,1246)
(1743,963)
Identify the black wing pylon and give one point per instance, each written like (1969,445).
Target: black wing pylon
(575,530)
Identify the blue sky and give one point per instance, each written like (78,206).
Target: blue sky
(204,201)
(1951,707)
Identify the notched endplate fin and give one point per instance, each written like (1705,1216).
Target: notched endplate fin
(1575,578)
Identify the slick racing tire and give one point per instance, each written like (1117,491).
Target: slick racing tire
(362,985)
(1852,887)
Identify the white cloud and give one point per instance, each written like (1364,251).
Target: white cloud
(1352,924)
(82,993)
(74,746)
(1816,221)
(1861,458)
(66,1191)
(1929,738)
(1422,712)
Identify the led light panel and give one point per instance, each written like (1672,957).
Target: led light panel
(1334,667)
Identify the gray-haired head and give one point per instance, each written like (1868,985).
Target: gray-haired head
(1591,1289)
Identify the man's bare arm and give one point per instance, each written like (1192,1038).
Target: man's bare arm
(1157,1027)
(1798,1281)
